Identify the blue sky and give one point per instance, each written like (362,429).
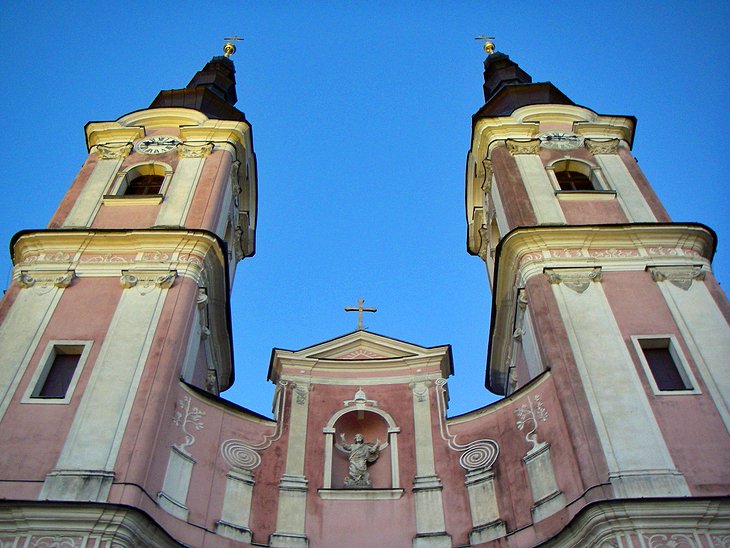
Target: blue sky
(361,118)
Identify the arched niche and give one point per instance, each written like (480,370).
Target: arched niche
(361,416)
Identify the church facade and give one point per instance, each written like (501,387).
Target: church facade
(609,340)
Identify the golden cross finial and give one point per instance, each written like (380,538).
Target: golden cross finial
(229,48)
(488,44)
(360,309)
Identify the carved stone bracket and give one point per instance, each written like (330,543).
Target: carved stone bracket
(680,276)
(46,279)
(577,279)
(185,150)
(488,173)
(483,242)
(301,391)
(599,146)
(523,147)
(146,281)
(420,390)
(113,151)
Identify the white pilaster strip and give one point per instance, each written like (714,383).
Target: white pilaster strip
(707,335)
(539,189)
(89,200)
(20,335)
(638,459)
(100,422)
(180,192)
(628,194)
(427,487)
(291,513)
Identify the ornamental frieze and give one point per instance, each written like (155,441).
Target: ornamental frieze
(185,150)
(679,276)
(145,282)
(577,279)
(523,147)
(45,280)
(596,146)
(113,152)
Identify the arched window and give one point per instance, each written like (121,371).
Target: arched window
(144,180)
(575,176)
(573,180)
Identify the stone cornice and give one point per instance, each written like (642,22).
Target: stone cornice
(193,126)
(107,253)
(528,251)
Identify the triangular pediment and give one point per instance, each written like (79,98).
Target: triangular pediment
(361,349)
(361,345)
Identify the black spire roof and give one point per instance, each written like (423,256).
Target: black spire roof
(212,91)
(507,87)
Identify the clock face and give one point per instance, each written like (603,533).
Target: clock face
(157,144)
(560,140)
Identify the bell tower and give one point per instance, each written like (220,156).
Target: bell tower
(592,281)
(127,290)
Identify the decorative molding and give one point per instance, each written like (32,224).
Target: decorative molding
(185,150)
(577,279)
(360,399)
(45,280)
(420,390)
(476,455)
(534,413)
(185,417)
(483,242)
(147,281)
(240,455)
(673,540)
(301,392)
(113,151)
(607,146)
(488,174)
(155,257)
(531,146)
(680,276)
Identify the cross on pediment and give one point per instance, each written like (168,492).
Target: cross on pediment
(360,309)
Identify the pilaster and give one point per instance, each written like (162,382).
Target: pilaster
(101,419)
(427,487)
(637,456)
(291,513)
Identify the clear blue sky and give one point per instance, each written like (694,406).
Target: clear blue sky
(361,116)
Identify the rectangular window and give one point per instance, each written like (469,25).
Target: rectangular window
(59,375)
(664,365)
(58,372)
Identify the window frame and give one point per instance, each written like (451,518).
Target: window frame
(45,363)
(669,342)
(116,194)
(600,191)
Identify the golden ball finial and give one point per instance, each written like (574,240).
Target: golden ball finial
(229,48)
(488,44)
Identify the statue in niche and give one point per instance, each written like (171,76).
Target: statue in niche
(360,454)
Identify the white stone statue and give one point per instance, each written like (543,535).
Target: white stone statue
(360,455)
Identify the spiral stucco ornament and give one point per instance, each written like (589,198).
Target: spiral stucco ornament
(479,454)
(239,455)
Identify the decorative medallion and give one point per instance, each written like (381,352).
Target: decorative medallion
(157,144)
(560,140)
